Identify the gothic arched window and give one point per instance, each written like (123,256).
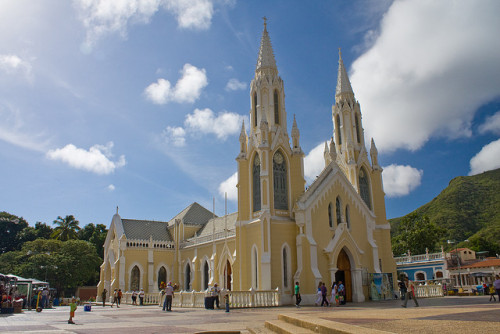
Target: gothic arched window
(255,109)
(347,217)
(276,108)
(162,276)
(256,183)
(135,279)
(358,135)
(364,187)
(285,268)
(187,280)
(280,182)
(205,276)
(337,125)
(338,208)
(330,215)
(255,268)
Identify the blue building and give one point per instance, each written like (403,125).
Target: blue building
(423,267)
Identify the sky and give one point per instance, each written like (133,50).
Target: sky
(139,103)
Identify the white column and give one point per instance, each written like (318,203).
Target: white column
(357,286)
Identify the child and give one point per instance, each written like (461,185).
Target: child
(492,293)
(72,309)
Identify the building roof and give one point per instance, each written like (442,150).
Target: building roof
(194,214)
(144,229)
(218,224)
(488,262)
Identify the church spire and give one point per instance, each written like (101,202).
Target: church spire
(343,84)
(266,59)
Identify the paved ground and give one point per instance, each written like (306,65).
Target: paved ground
(439,315)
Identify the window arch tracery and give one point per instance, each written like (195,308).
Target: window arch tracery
(364,188)
(276,108)
(338,208)
(256,183)
(280,182)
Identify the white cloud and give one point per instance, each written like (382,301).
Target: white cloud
(188,88)
(430,68)
(491,124)
(401,180)
(487,159)
(111,187)
(234,84)
(314,162)
(175,136)
(222,125)
(15,130)
(192,14)
(106,17)
(95,160)
(229,186)
(12,64)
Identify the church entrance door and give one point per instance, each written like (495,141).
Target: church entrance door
(344,273)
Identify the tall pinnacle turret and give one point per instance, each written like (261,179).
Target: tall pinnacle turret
(266,55)
(343,84)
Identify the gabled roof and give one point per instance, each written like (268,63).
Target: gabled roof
(144,229)
(218,224)
(194,214)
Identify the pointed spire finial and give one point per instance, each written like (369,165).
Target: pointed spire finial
(266,59)
(343,83)
(117,209)
(265,22)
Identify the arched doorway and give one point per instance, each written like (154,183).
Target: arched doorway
(227,275)
(344,273)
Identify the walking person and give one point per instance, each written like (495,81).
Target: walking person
(215,295)
(492,293)
(318,294)
(72,309)
(341,290)
(402,288)
(141,297)
(119,296)
(496,285)
(324,292)
(169,295)
(298,299)
(103,296)
(115,299)
(410,292)
(134,298)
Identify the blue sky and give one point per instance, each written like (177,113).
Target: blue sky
(139,103)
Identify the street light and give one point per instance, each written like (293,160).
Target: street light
(458,259)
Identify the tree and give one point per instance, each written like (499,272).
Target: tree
(96,234)
(66,229)
(416,233)
(43,230)
(10,226)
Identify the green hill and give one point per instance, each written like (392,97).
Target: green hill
(469,208)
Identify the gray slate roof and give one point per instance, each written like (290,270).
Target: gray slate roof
(219,224)
(143,229)
(194,214)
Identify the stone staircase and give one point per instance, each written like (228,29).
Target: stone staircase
(308,324)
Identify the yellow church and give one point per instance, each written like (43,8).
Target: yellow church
(335,229)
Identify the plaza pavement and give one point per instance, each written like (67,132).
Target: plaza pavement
(437,315)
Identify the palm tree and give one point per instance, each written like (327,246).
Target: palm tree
(67,228)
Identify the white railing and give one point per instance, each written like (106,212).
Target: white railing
(208,238)
(196,299)
(428,291)
(420,258)
(143,243)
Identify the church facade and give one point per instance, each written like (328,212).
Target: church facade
(282,233)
